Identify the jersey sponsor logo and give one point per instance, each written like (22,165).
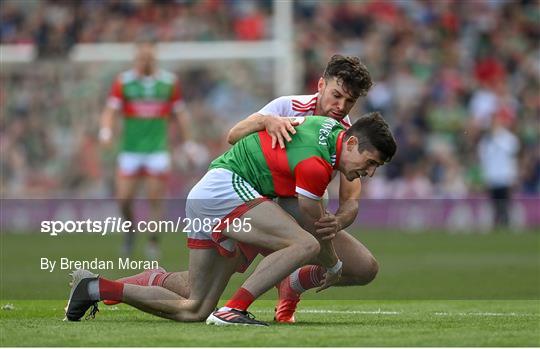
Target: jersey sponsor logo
(325,130)
(304,107)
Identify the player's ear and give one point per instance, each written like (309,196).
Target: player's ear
(352,143)
(321,84)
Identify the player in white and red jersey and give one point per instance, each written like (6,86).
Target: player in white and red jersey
(345,79)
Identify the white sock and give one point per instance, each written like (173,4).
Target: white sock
(93,290)
(295,281)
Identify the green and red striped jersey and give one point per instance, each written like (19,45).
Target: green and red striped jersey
(146,103)
(304,167)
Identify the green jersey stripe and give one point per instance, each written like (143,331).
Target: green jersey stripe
(237,188)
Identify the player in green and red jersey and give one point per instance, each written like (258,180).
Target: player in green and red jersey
(147,97)
(237,186)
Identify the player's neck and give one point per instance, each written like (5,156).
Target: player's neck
(318,109)
(146,72)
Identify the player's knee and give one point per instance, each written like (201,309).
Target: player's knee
(373,270)
(198,316)
(367,272)
(196,312)
(190,317)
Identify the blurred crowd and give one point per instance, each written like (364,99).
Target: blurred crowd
(450,76)
(55,25)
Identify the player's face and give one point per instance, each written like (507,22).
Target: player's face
(333,100)
(355,164)
(145,58)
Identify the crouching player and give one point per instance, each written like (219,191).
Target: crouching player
(237,186)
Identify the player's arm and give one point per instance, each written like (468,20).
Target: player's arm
(312,211)
(180,112)
(253,123)
(349,194)
(107,120)
(312,178)
(183,118)
(277,127)
(107,125)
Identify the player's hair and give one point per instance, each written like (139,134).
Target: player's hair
(373,132)
(350,73)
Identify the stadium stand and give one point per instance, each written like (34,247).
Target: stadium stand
(443,74)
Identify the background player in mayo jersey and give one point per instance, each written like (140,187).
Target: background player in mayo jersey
(146,96)
(344,80)
(237,186)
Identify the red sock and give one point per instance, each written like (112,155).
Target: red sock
(241,300)
(310,276)
(110,290)
(159,280)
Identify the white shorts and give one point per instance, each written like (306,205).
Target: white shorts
(153,164)
(219,197)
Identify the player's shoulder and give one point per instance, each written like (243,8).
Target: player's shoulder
(346,121)
(166,76)
(127,76)
(303,103)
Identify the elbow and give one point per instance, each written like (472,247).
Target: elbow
(231,139)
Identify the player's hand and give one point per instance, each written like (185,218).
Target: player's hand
(279,128)
(105,137)
(327,227)
(106,144)
(330,279)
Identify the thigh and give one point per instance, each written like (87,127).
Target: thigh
(155,187)
(267,225)
(219,199)
(126,187)
(357,259)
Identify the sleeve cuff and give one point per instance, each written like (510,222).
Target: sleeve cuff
(307,194)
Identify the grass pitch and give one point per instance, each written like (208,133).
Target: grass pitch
(320,323)
(433,289)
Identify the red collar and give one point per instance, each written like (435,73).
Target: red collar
(339,145)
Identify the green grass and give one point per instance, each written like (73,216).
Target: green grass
(320,323)
(433,289)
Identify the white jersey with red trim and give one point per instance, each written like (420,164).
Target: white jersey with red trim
(298,105)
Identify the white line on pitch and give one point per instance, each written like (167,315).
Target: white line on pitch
(483,314)
(383,312)
(324,311)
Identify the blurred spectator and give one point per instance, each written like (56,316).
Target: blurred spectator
(55,25)
(497,151)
